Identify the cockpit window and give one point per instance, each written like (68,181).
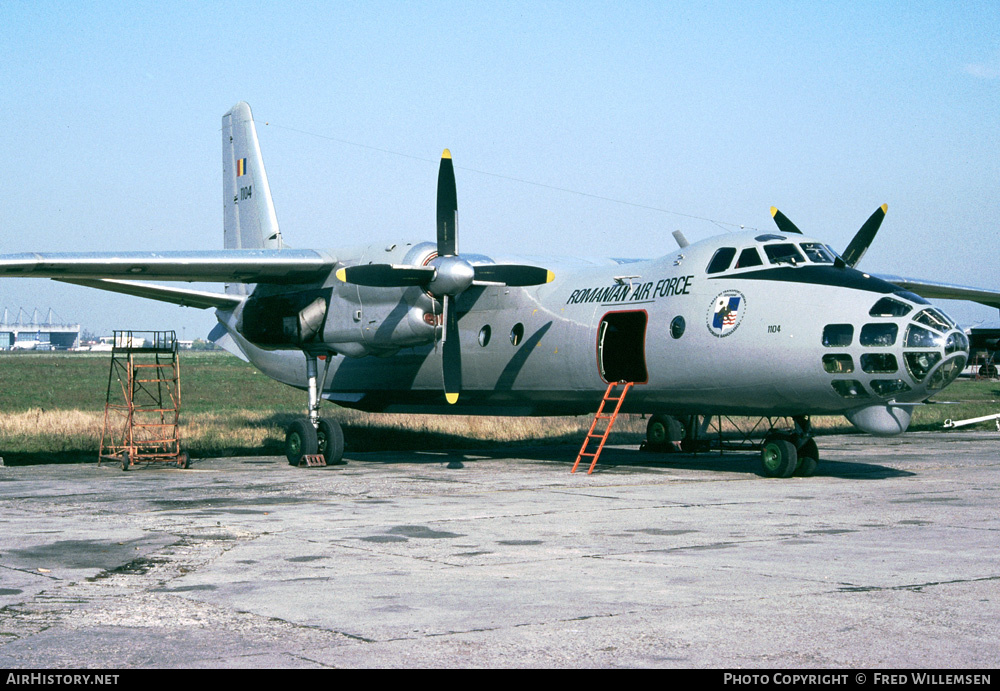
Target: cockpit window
(817,253)
(878,335)
(920,363)
(849,388)
(879,363)
(888,387)
(749,257)
(934,319)
(957,341)
(838,335)
(919,337)
(721,260)
(887,307)
(785,253)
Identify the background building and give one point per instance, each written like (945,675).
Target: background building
(29,332)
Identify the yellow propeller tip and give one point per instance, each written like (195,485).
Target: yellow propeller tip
(774,211)
(446,154)
(885,208)
(342,275)
(451,398)
(549,277)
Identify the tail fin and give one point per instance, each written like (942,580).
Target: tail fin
(250,221)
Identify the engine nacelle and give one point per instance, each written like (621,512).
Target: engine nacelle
(285,320)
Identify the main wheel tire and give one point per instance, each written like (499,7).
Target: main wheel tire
(807,467)
(126,461)
(662,431)
(656,431)
(300,440)
(183,460)
(808,455)
(778,458)
(330,439)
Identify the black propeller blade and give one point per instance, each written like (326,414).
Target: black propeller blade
(512,274)
(447,208)
(859,245)
(451,352)
(386,275)
(784,224)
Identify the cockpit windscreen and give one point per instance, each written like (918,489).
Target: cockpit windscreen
(784,253)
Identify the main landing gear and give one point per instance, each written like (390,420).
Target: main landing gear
(313,435)
(668,434)
(782,453)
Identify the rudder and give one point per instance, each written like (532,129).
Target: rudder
(249,218)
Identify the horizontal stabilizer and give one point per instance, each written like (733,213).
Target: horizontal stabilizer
(179,296)
(221,266)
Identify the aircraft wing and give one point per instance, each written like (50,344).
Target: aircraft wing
(179,296)
(945,291)
(223,266)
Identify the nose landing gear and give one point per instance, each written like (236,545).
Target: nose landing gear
(784,454)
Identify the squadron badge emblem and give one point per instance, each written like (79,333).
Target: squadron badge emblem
(726,312)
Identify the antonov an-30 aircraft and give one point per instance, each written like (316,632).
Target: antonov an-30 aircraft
(770,324)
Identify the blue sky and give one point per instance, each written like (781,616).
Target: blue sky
(111,119)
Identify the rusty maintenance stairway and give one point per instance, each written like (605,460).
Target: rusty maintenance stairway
(142,411)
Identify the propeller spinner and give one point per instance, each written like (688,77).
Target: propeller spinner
(446,276)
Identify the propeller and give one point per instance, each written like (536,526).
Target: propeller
(858,245)
(863,238)
(446,276)
(783,223)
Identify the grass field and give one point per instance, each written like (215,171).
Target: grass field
(52,410)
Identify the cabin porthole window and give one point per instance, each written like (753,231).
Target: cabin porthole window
(516,334)
(484,336)
(677,327)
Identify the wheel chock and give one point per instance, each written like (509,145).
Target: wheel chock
(312,460)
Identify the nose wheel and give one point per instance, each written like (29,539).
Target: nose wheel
(785,455)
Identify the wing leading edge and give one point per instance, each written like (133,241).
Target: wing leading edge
(222,266)
(944,291)
(103,270)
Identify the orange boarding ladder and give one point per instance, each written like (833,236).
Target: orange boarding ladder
(603,436)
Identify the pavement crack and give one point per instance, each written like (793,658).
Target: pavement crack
(916,587)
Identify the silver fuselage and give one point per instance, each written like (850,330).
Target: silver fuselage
(753,341)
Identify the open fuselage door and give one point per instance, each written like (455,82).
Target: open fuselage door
(621,347)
